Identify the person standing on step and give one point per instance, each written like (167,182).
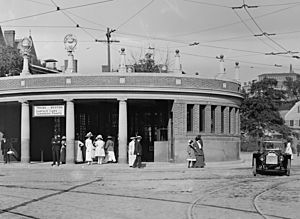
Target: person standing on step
(109,147)
(99,151)
(138,149)
(131,155)
(55,142)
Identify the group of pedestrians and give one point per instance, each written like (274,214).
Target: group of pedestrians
(58,150)
(195,154)
(97,149)
(135,150)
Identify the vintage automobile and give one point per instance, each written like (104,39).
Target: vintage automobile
(271,157)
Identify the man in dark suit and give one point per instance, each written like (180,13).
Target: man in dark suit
(5,148)
(138,152)
(55,142)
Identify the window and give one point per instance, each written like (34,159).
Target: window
(229,119)
(189,117)
(222,119)
(213,119)
(291,122)
(298,109)
(202,118)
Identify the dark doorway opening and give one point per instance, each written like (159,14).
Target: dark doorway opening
(98,117)
(42,130)
(148,118)
(10,127)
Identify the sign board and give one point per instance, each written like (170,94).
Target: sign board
(49,111)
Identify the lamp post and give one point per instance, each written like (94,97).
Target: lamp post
(26,45)
(70,42)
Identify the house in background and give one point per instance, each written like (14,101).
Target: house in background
(292,118)
(8,38)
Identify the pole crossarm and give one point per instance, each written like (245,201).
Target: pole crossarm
(108,41)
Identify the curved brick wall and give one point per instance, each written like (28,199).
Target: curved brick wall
(182,89)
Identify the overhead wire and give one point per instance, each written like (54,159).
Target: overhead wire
(52,11)
(250,30)
(73,21)
(234,23)
(158,38)
(254,21)
(206,3)
(38,2)
(135,14)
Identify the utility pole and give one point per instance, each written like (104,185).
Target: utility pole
(108,41)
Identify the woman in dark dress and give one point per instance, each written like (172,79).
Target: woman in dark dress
(198,145)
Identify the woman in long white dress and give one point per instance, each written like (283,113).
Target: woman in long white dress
(131,155)
(288,149)
(99,151)
(89,148)
(78,150)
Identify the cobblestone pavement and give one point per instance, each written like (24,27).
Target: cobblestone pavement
(160,190)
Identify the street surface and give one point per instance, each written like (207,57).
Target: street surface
(160,190)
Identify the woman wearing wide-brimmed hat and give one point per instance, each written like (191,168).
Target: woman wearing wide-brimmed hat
(109,147)
(63,150)
(89,148)
(99,151)
(131,155)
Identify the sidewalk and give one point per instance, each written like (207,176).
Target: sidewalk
(245,161)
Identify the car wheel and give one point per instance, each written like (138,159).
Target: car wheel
(288,167)
(254,167)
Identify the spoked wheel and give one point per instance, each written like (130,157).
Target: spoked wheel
(288,167)
(254,167)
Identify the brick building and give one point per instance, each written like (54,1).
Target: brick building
(166,109)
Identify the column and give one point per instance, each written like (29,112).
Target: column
(70,132)
(122,131)
(232,122)
(25,132)
(237,121)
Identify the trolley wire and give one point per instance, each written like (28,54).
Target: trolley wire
(52,11)
(135,14)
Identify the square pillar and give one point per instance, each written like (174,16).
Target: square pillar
(179,119)
(196,117)
(122,131)
(237,121)
(232,121)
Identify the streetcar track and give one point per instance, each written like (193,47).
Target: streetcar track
(274,186)
(9,210)
(190,214)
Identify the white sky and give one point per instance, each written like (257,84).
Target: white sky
(165,25)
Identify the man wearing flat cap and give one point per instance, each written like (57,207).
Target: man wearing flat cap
(138,152)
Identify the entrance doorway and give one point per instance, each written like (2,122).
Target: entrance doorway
(148,118)
(42,130)
(98,117)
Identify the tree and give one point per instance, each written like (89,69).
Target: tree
(259,110)
(11,61)
(292,88)
(147,63)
